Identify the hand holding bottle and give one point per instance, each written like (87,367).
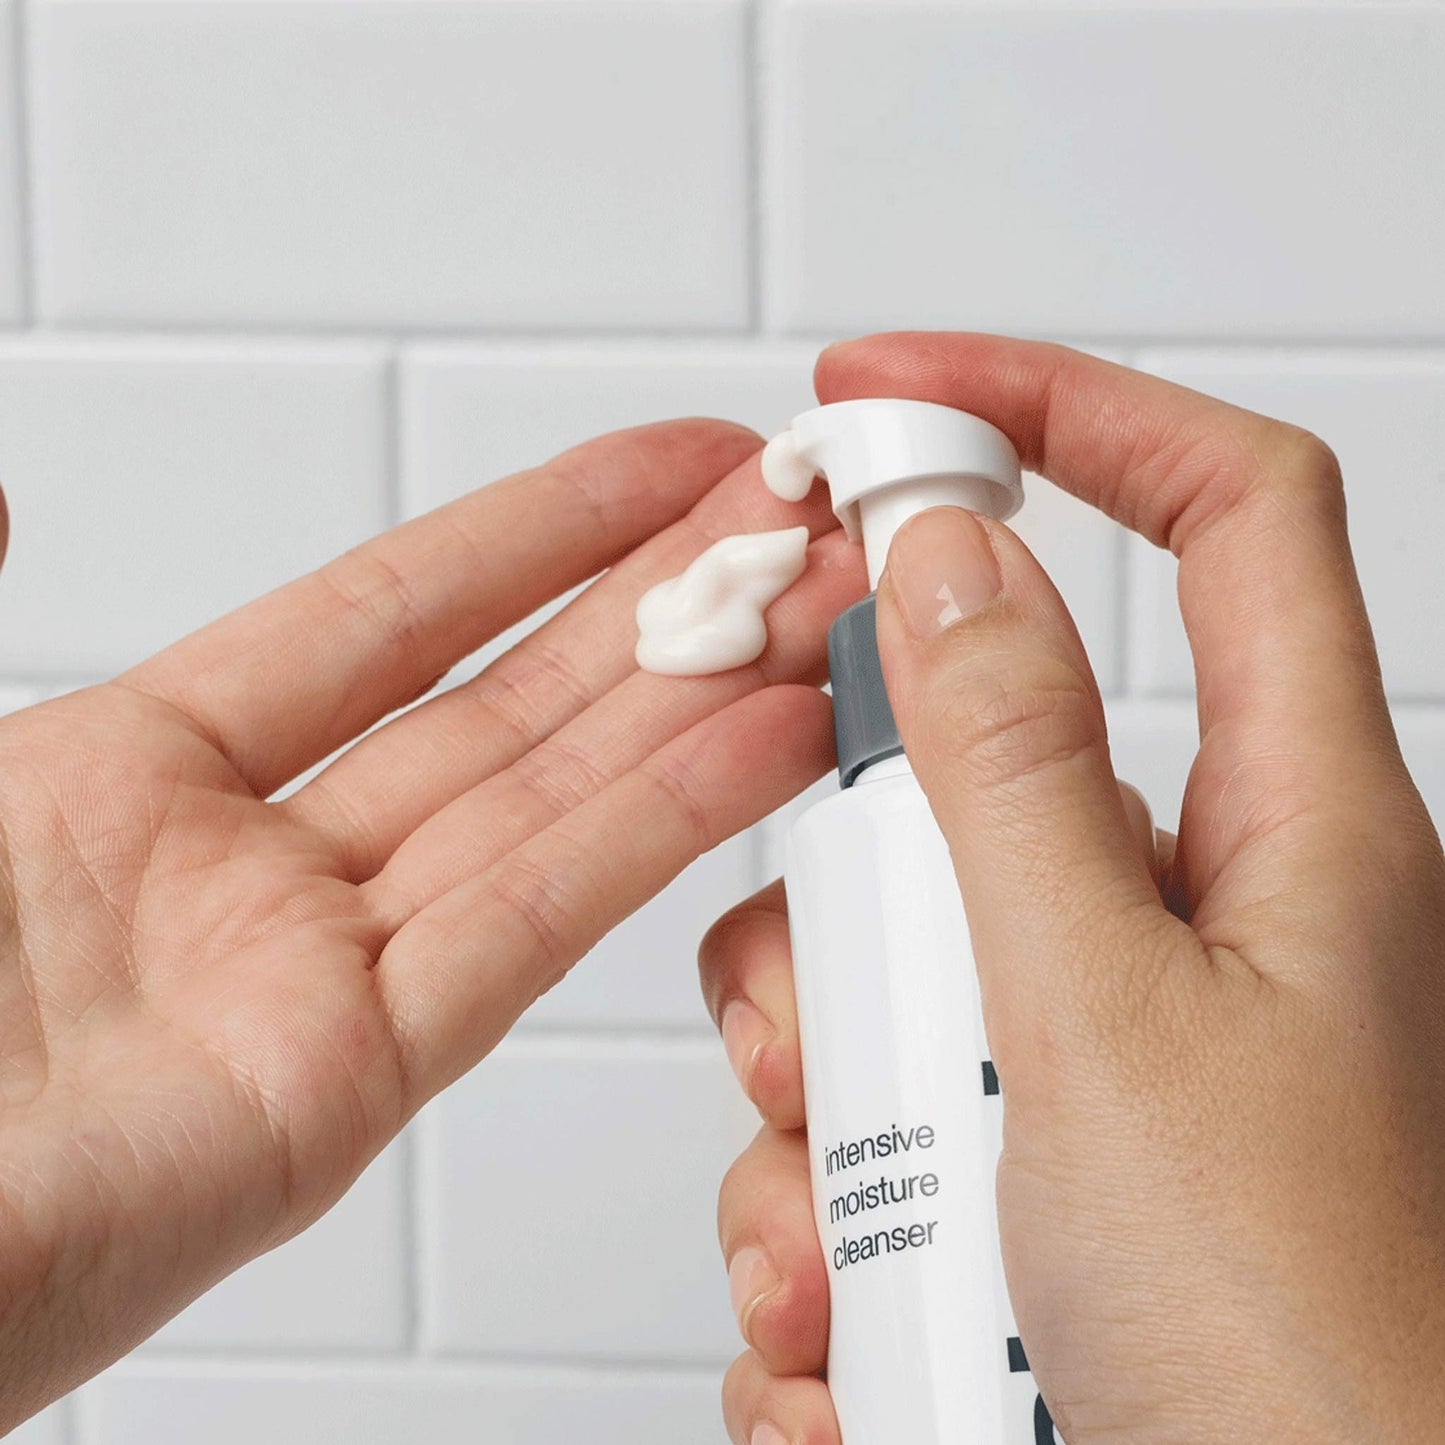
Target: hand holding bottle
(1223,1182)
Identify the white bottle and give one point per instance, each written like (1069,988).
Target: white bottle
(904,1113)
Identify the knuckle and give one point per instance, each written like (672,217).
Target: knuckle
(545,904)
(1008,731)
(724,943)
(681,791)
(777,1084)
(738,1387)
(728,947)
(561,775)
(738,1200)
(365,582)
(1303,467)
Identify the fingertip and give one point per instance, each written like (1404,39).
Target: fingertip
(745,962)
(746,1034)
(760,1408)
(775,1085)
(788,1327)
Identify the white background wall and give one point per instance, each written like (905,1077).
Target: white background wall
(275,273)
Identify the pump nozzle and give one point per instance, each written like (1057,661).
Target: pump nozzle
(886,459)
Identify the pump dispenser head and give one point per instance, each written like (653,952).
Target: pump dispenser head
(887,459)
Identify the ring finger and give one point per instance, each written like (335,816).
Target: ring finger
(763,1409)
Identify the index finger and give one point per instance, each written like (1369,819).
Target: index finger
(286,680)
(1291,704)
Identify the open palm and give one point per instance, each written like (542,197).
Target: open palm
(217,1008)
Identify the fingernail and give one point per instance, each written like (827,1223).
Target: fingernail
(751,1279)
(767,1434)
(942,569)
(745,1031)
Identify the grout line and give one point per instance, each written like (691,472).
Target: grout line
(712,344)
(1123,621)
(411,1237)
(319,331)
(391,440)
(752,83)
(574,1368)
(424,1227)
(24,220)
(658,1034)
(67,1415)
(74,1425)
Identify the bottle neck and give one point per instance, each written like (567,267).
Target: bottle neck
(863,722)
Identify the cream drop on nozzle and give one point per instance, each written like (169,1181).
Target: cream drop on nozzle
(885,460)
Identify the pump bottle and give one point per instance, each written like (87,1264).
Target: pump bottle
(903,1102)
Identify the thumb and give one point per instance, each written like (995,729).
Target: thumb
(1002,721)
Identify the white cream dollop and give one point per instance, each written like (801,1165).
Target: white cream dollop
(785,473)
(710,618)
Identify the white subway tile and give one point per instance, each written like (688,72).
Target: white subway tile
(473,414)
(342,1285)
(1153,747)
(1422,740)
(49,1427)
(11,212)
(1385,418)
(12,699)
(1249,170)
(397,1404)
(1082,551)
(569,1194)
(1154,744)
(154,487)
(443,165)
(644,973)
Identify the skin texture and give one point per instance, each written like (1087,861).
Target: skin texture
(1222,1193)
(215,1009)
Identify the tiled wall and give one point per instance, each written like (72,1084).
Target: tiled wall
(275,274)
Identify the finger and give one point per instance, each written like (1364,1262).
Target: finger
(615,735)
(761,1409)
(776,1274)
(1170,890)
(291,677)
(1141,824)
(746,962)
(1002,719)
(456,976)
(379,792)
(1289,688)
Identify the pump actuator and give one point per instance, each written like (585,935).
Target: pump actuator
(885,460)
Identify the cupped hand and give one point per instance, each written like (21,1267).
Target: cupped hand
(214,1008)
(1222,1190)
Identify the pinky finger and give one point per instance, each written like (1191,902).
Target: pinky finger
(764,1409)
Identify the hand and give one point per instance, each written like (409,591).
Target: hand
(1222,1192)
(216,1009)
